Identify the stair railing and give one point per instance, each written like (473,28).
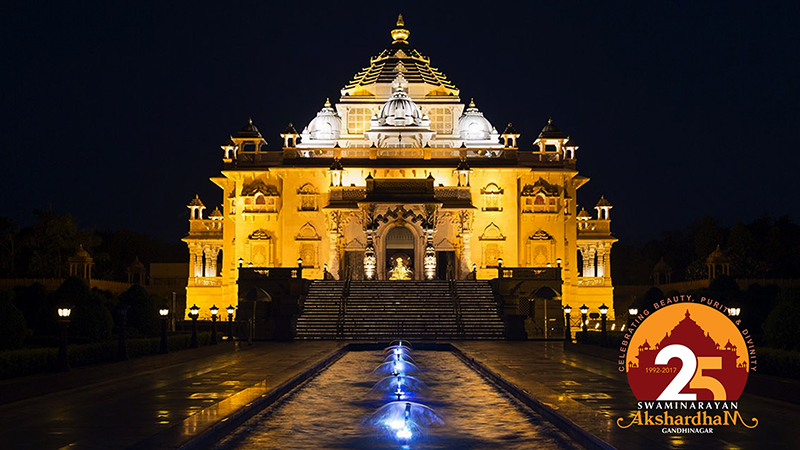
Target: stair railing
(457,308)
(343,305)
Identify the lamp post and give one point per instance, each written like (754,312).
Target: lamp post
(584,311)
(62,363)
(558,262)
(299,267)
(230,309)
(632,312)
(194,312)
(164,313)
(122,320)
(214,312)
(567,330)
(603,311)
(241,262)
(499,267)
(325,271)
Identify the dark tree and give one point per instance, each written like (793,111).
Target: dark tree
(142,311)
(90,318)
(13,328)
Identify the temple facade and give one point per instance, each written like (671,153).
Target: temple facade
(399,179)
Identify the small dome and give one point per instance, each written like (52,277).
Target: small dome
(196,202)
(717,257)
(249,131)
(550,131)
(473,126)
(216,214)
(81,253)
(583,214)
(662,266)
(400,110)
(327,125)
(602,202)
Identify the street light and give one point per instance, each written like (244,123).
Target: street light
(603,311)
(164,313)
(632,312)
(558,262)
(584,326)
(499,267)
(299,267)
(62,363)
(230,309)
(214,312)
(568,333)
(241,262)
(194,313)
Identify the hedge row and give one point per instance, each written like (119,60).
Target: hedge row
(20,363)
(613,340)
(777,362)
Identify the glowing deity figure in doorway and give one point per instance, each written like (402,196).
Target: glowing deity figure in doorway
(400,271)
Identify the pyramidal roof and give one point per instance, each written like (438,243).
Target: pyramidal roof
(400,58)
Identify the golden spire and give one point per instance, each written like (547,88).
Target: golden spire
(471,102)
(400,34)
(327,102)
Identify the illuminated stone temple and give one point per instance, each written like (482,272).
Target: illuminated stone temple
(400,179)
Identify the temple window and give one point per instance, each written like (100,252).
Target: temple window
(441,120)
(308,198)
(358,119)
(492,197)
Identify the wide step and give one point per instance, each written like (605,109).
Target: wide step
(380,310)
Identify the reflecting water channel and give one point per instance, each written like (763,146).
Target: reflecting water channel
(333,411)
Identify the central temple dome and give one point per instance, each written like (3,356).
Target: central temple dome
(400,110)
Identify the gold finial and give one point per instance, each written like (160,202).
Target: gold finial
(327,102)
(471,102)
(400,34)
(549,120)
(250,119)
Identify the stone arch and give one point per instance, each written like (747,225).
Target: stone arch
(381,235)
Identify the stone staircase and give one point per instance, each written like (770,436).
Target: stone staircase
(387,310)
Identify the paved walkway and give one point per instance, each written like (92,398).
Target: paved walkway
(118,405)
(592,393)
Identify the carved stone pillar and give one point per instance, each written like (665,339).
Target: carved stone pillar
(334,233)
(601,262)
(465,229)
(588,263)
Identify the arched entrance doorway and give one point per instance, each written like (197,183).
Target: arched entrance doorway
(400,254)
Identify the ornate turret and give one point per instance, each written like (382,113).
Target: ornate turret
(718,264)
(290,136)
(510,136)
(196,207)
(603,208)
(248,140)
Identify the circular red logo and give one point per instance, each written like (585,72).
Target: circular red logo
(687,352)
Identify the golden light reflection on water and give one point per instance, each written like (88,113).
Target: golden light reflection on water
(332,411)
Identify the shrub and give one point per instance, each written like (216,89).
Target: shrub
(18,363)
(780,328)
(779,363)
(90,318)
(12,323)
(142,310)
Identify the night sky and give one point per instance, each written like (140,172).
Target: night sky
(114,112)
